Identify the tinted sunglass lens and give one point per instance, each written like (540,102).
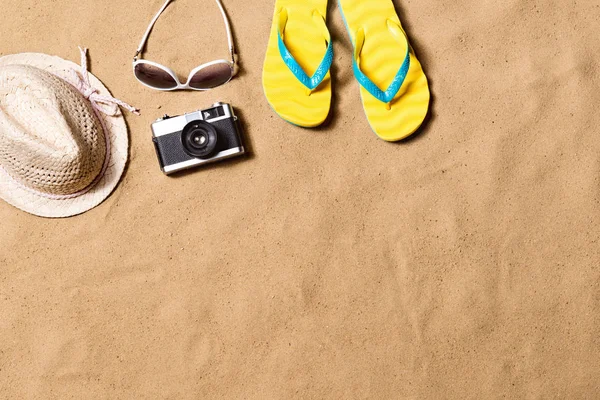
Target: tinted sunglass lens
(211,76)
(155,77)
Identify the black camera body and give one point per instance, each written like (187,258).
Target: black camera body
(198,138)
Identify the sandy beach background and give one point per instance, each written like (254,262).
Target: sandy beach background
(463,263)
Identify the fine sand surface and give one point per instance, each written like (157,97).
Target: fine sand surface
(461,264)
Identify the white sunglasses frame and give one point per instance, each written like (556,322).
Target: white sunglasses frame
(137,58)
(181,86)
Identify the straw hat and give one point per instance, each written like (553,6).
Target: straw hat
(63,140)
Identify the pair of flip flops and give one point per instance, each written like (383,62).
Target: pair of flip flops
(296,74)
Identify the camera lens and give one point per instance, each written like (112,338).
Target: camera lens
(199,139)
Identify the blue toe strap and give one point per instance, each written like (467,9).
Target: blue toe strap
(292,64)
(391,92)
(289,60)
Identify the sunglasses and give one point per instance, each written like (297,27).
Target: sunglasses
(205,77)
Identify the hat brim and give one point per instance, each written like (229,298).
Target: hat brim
(35,204)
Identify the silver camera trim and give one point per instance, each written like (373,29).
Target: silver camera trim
(169,125)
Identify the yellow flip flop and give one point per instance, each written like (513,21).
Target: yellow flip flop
(296,77)
(383,58)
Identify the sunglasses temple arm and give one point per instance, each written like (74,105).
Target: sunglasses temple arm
(229,33)
(140,48)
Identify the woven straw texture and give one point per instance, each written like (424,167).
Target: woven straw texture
(51,140)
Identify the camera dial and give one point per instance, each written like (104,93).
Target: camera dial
(199,139)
